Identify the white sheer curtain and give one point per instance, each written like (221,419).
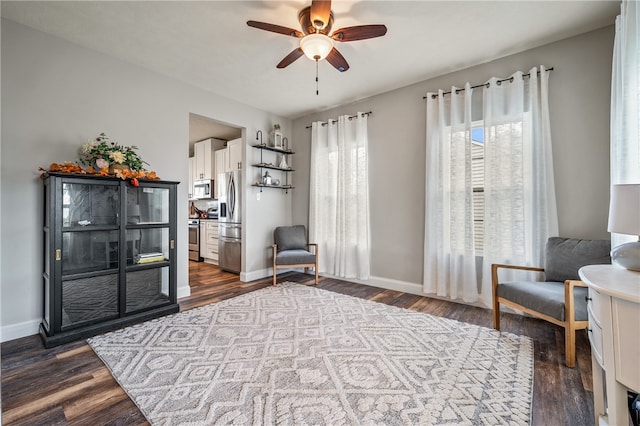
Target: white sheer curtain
(520,202)
(518,211)
(625,102)
(449,252)
(339,196)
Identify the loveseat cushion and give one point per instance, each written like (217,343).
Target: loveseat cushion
(290,237)
(546,297)
(564,256)
(295,257)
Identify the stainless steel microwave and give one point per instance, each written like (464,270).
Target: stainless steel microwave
(203,189)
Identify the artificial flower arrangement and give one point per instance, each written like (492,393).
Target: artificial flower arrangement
(105,158)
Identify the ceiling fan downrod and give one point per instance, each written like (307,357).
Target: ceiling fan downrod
(317,91)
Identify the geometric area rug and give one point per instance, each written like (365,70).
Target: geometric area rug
(296,354)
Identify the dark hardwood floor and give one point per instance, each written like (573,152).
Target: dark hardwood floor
(69,385)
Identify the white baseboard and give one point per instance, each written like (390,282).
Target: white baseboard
(405,287)
(255,275)
(390,284)
(183,291)
(386,283)
(16,331)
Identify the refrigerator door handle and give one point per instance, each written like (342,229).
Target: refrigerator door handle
(231,196)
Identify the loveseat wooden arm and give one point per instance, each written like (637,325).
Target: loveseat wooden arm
(494,286)
(569,301)
(494,273)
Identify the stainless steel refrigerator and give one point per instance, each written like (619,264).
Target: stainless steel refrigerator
(230,222)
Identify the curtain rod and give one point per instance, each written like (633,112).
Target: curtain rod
(510,80)
(350,118)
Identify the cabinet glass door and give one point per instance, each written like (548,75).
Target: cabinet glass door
(89,251)
(147,288)
(147,205)
(147,245)
(89,299)
(89,204)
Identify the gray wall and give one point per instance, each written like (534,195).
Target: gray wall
(579,104)
(56,95)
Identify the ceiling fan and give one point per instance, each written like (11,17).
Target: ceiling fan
(316,40)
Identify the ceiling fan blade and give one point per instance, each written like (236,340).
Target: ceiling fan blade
(295,54)
(360,32)
(275,28)
(320,13)
(338,61)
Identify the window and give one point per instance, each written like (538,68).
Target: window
(477,182)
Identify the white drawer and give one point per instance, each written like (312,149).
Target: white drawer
(212,238)
(211,226)
(213,255)
(626,317)
(595,337)
(598,306)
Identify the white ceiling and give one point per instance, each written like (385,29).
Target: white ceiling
(209,45)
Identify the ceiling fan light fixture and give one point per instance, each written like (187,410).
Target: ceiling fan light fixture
(316,46)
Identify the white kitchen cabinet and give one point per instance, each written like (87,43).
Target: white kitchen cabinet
(192,173)
(204,153)
(203,238)
(221,167)
(211,241)
(234,153)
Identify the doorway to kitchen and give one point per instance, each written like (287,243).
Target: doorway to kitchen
(209,142)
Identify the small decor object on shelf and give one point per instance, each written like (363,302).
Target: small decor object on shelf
(149,257)
(106,158)
(275,137)
(283,163)
(266,180)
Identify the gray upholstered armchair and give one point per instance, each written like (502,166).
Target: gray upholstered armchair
(562,298)
(291,250)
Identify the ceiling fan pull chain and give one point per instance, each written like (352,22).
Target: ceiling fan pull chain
(317,91)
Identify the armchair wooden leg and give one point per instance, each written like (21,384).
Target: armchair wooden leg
(570,347)
(494,296)
(275,272)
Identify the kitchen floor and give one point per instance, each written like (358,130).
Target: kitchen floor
(203,273)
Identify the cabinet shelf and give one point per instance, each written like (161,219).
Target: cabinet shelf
(89,228)
(147,265)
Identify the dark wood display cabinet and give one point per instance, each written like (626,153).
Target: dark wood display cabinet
(109,254)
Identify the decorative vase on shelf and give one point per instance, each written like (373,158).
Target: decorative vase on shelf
(283,163)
